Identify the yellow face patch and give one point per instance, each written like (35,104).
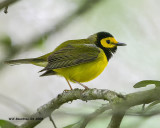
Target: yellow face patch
(109,42)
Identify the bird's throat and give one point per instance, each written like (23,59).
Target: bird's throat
(109,52)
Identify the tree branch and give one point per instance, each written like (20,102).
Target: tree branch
(133,99)
(116,119)
(118,104)
(6,3)
(84,95)
(90,117)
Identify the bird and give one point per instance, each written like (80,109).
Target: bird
(78,61)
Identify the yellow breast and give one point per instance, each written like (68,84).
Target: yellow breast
(85,72)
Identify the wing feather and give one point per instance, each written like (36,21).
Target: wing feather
(72,55)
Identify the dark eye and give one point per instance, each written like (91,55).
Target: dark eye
(108,41)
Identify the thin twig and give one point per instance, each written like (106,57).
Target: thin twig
(6,10)
(6,3)
(51,119)
(143,107)
(90,117)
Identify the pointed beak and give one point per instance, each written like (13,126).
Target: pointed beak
(120,44)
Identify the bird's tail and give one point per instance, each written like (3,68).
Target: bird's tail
(25,61)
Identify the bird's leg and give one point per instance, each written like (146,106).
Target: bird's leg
(69,84)
(81,84)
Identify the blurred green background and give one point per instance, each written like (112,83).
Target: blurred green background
(32,28)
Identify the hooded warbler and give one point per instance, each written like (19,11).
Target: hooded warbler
(77,60)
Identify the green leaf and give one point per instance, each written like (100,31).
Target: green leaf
(144,83)
(6,124)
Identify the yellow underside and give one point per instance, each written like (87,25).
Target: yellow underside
(85,72)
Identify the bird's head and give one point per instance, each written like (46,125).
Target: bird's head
(107,42)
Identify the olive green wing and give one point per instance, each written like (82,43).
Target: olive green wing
(71,55)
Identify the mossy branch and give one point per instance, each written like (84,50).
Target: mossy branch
(118,104)
(69,96)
